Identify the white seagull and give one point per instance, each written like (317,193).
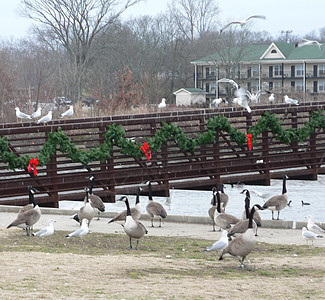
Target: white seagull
(46,231)
(253,97)
(305,42)
(290,101)
(216,102)
(235,85)
(220,244)
(309,235)
(271,98)
(21,115)
(312,226)
(243,22)
(162,104)
(46,118)
(82,231)
(241,99)
(37,113)
(68,112)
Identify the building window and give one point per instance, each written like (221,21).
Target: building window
(300,70)
(274,51)
(299,86)
(278,70)
(207,87)
(277,84)
(255,86)
(213,87)
(255,70)
(321,69)
(321,85)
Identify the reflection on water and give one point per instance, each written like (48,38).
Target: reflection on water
(197,203)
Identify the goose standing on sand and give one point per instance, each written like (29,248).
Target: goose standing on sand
(154,208)
(224,198)
(95,201)
(29,217)
(46,231)
(85,212)
(309,235)
(220,244)
(82,231)
(278,202)
(257,217)
(242,245)
(312,226)
(134,229)
(213,208)
(223,220)
(135,211)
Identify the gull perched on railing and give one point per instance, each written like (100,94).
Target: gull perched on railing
(243,22)
(290,100)
(241,99)
(68,112)
(216,102)
(37,113)
(162,104)
(46,118)
(21,115)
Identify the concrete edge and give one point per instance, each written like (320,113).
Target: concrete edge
(281,224)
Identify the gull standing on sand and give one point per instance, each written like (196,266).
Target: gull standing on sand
(82,231)
(162,104)
(309,235)
(46,118)
(243,22)
(37,113)
(312,226)
(68,113)
(21,115)
(290,101)
(305,42)
(46,231)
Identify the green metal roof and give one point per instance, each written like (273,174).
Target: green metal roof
(254,53)
(191,90)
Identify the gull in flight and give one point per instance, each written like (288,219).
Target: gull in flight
(220,244)
(68,112)
(235,85)
(82,231)
(290,101)
(216,102)
(243,22)
(46,118)
(309,235)
(305,42)
(241,99)
(21,115)
(253,97)
(312,226)
(46,231)
(162,104)
(37,113)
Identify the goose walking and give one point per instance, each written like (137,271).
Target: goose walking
(220,244)
(309,235)
(135,211)
(242,245)
(223,220)
(279,202)
(82,231)
(46,231)
(155,209)
(312,226)
(95,201)
(134,229)
(29,217)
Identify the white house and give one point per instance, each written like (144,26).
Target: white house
(189,96)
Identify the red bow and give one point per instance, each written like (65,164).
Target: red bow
(145,148)
(32,164)
(249,141)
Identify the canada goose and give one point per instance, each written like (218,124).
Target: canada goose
(134,229)
(46,231)
(85,212)
(95,201)
(223,220)
(257,217)
(304,203)
(29,217)
(82,231)
(154,208)
(312,226)
(135,211)
(26,207)
(213,208)
(220,244)
(289,203)
(242,245)
(309,235)
(224,198)
(278,202)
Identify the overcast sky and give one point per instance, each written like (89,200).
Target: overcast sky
(300,16)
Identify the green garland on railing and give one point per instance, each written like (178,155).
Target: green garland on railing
(114,135)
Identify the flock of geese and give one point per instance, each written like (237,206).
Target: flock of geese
(46,118)
(238,237)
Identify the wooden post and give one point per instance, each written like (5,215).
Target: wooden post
(265,153)
(313,148)
(216,159)
(164,157)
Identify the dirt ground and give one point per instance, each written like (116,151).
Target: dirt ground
(142,276)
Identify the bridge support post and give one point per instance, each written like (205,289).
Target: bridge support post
(266,162)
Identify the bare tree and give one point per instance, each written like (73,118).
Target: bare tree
(75,25)
(194,17)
